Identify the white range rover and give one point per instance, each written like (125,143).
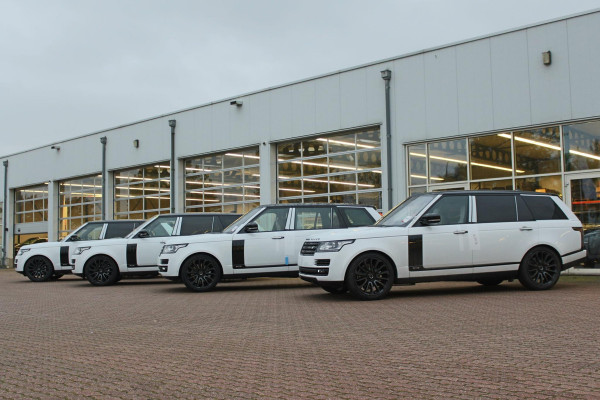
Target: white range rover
(104,263)
(41,262)
(482,236)
(263,243)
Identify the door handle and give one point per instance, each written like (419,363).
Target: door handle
(163,242)
(526,228)
(277,237)
(460,232)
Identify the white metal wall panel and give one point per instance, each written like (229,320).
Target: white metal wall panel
(281,113)
(353,98)
(200,139)
(220,135)
(328,114)
(239,120)
(474,81)
(376,93)
(510,80)
(550,91)
(408,103)
(303,108)
(440,93)
(584,63)
(260,115)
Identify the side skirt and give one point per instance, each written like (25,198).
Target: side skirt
(504,275)
(283,274)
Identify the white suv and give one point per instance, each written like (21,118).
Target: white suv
(106,262)
(264,242)
(41,262)
(483,236)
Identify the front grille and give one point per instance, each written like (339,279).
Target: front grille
(322,263)
(309,248)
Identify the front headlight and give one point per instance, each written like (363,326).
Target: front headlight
(334,245)
(80,250)
(22,251)
(172,248)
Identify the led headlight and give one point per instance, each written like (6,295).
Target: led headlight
(172,248)
(80,250)
(22,251)
(334,245)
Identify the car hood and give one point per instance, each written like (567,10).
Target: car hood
(43,245)
(370,232)
(204,238)
(104,242)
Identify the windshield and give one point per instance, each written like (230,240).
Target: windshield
(89,231)
(404,212)
(241,221)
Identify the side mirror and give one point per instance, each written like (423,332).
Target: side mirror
(142,234)
(251,227)
(74,238)
(430,219)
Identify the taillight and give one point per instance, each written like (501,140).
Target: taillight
(580,230)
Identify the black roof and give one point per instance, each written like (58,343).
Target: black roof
(315,204)
(197,213)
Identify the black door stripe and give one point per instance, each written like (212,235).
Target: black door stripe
(131,254)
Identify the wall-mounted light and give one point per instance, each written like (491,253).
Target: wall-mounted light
(386,74)
(136,143)
(237,103)
(57,148)
(547,57)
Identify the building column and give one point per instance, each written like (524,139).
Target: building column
(109,193)
(179,186)
(53,210)
(268,173)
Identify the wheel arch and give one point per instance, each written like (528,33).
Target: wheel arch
(200,253)
(39,256)
(542,246)
(90,258)
(378,252)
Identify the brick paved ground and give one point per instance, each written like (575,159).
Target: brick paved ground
(283,338)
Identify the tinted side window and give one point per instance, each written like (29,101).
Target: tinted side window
(496,209)
(196,224)
(120,229)
(357,216)
(90,232)
(316,218)
(161,227)
(523,212)
(543,207)
(451,209)
(227,220)
(272,219)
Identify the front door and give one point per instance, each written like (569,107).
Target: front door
(583,196)
(445,245)
(148,249)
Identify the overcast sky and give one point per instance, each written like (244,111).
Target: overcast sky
(72,67)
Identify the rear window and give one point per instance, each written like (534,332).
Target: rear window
(196,225)
(543,207)
(120,229)
(496,209)
(357,216)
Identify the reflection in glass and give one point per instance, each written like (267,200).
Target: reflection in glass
(543,184)
(537,151)
(417,164)
(448,161)
(502,184)
(585,203)
(491,157)
(582,146)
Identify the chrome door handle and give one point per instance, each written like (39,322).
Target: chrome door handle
(277,237)
(163,242)
(460,232)
(526,228)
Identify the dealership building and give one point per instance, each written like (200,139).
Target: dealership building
(514,110)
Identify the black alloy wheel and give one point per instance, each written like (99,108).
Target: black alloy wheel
(540,269)
(102,271)
(39,269)
(370,277)
(201,273)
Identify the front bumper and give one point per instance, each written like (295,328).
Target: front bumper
(325,267)
(165,269)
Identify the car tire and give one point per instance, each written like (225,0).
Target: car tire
(102,271)
(490,282)
(334,289)
(201,273)
(540,269)
(370,276)
(38,269)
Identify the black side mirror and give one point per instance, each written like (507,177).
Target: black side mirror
(142,234)
(251,227)
(430,219)
(74,238)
